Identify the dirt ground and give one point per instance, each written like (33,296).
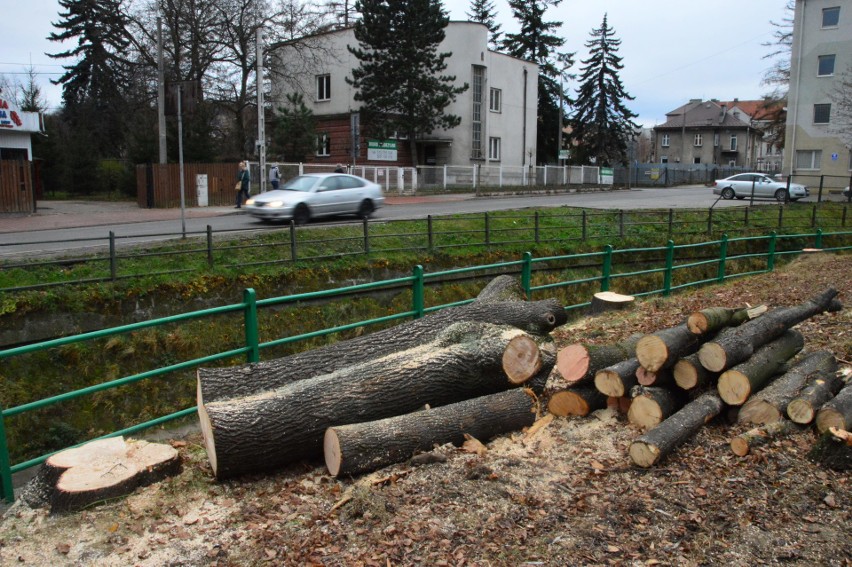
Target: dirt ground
(566,495)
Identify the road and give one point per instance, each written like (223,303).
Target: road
(88,228)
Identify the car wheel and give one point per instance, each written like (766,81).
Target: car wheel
(728,193)
(301,215)
(781,195)
(365,209)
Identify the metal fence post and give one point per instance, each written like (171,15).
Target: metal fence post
(780,216)
(366,237)
(821,180)
(621,223)
(526,274)
(723,258)
(813,216)
(5,463)
(770,257)
(417,296)
(818,239)
(537,239)
(710,222)
(430,234)
(607,267)
(745,216)
(667,274)
(671,221)
(584,225)
(209,246)
(250,321)
(487,231)
(113,268)
(293,240)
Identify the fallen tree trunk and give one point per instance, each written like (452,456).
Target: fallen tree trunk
(737,384)
(578,363)
(497,304)
(270,429)
(770,404)
(735,345)
(712,319)
(648,449)
(742,444)
(650,406)
(363,447)
(836,412)
(616,381)
(804,407)
(689,374)
(663,348)
(833,450)
(579,401)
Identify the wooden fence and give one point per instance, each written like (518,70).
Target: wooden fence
(16,187)
(158,186)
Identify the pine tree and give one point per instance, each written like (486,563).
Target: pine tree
(537,42)
(602,124)
(294,134)
(483,11)
(400,78)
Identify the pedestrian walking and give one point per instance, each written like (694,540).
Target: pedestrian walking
(242,186)
(274,176)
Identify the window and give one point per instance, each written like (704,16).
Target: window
(696,160)
(697,140)
(808,159)
(494,148)
(716,140)
(826,65)
(495,100)
(733,142)
(666,141)
(822,113)
(323,87)
(323,145)
(664,159)
(830,17)
(476,115)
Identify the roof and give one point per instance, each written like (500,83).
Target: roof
(757,109)
(701,114)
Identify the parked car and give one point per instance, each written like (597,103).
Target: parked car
(740,186)
(316,195)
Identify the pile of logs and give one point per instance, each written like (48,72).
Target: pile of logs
(719,360)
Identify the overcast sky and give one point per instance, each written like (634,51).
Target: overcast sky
(673,50)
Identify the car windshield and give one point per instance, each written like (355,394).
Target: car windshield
(301,183)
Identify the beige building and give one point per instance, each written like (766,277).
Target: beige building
(498,111)
(821,53)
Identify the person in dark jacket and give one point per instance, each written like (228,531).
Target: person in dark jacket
(340,168)
(243,178)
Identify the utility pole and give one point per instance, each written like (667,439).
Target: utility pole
(161,92)
(261,122)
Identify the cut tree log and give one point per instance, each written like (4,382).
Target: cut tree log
(579,401)
(665,347)
(689,374)
(648,449)
(538,382)
(271,429)
(358,448)
(662,377)
(617,380)
(100,470)
(770,403)
(650,406)
(742,444)
(737,384)
(499,303)
(833,450)
(522,359)
(604,301)
(836,412)
(578,363)
(823,388)
(710,320)
(736,344)
(620,404)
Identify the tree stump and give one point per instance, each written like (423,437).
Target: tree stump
(737,384)
(604,301)
(833,450)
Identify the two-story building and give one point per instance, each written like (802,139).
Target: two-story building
(768,117)
(498,111)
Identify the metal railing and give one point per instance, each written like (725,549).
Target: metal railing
(604,264)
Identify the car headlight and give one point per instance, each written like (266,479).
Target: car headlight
(250,202)
(275,204)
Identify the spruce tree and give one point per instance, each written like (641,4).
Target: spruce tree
(483,11)
(602,125)
(399,78)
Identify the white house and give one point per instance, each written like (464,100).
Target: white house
(16,130)
(498,111)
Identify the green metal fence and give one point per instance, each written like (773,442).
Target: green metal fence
(607,260)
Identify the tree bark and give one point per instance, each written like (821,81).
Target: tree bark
(823,388)
(836,412)
(662,349)
(363,447)
(650,406)
(497,304)
(617,380)
(578,363)
(273,428)
(690,375)
(742,444)
(735,345)
(662,377)
(648,449)
(737,384)
(579,401)
(548,360)
(710,320)
(770,404)
(833,450)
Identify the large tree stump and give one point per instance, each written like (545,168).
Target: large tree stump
(499,304)
(736,344)
(665,347)
(616,381)
(833,450)
(836,412)
(689,374)
(650,406)
(578,363)
(770,404)
(604,301)
(363,447)
(100,470)
(270,429)
(648,449)
(712,319)
(803,408)
(737,384)
(579,401)
(743,443)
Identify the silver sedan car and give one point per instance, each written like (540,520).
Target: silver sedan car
(740,186)
(316,195)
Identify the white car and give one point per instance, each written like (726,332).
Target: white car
(740,186)
(316,195)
